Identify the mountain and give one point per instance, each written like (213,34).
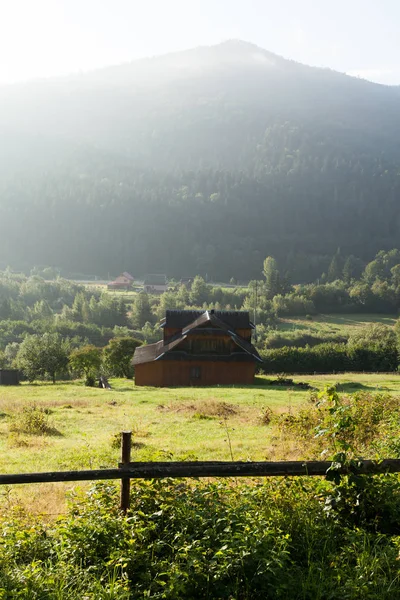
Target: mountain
(199,161)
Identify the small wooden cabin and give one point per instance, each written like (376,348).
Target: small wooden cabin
(9,377)
(155,284)
(199,348)
(122,282)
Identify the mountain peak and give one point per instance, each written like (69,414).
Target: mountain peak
(238,45)
(236,51)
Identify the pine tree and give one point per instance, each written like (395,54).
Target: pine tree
(141,311)
(352,268)
(336,266)
(272,277)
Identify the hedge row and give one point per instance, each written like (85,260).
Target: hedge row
(327,358)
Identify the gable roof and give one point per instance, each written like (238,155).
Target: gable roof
(127,275)
(155,279)
(157,351)
(179,319)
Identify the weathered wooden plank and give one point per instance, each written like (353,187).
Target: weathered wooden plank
(126,439)
(256,469)
(59,476)
(157,470)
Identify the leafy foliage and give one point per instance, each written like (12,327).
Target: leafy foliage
(141,311)
(203,541)
(118,356)
(331,357)
(86,360)
(32,420)
(41,356)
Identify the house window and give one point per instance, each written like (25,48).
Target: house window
(195,372)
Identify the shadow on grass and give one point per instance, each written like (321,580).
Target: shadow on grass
(353,386)
(259,382)
(53,432)
(288,326)
(138,445)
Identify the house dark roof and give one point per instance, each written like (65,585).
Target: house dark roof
(155,351)
(155,279)
(160,350)
(148,353)
(179,319)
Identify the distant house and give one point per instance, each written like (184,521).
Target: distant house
(199,348)
(9,377)
(155,284)
(122,282)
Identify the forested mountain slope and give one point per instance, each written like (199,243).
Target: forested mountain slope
(202,161)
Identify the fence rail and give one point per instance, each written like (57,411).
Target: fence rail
(128,470)
(160,470)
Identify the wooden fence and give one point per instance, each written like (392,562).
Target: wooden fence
(128,470)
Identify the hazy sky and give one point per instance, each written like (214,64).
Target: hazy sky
(39,38)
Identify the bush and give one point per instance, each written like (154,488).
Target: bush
(361,422)
(300,339)
(32,420)
(324,358)
(292,304)
(203,541)
(329,358)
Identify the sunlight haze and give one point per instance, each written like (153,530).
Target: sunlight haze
(44,38)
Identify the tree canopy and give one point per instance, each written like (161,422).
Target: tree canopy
(41,356)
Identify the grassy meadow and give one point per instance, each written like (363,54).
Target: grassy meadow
(337,324)
(82,426)
(305,538)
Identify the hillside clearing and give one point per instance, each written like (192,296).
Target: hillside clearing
(335,324)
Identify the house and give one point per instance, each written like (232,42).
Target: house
(122,282)
(9,377)
(155,284)
(199,348)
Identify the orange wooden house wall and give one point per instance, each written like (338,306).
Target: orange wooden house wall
(170,373)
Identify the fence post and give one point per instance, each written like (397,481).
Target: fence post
(126,439)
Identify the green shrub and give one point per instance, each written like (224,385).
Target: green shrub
(32,420)
(359,424)
(330,358)
(279,540)
(301,339)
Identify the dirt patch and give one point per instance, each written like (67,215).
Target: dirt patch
(209,408)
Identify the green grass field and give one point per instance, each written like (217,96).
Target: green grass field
(218,423)
(167,422)
(334,324)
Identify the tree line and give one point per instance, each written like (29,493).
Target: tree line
(49,356)
(35,311)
